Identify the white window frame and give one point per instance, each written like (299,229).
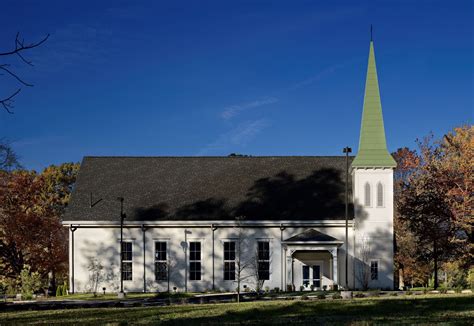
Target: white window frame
(269,260)
(195,260)
(367,199)
(229,260)
(166,242)
(128,261)
(380,184)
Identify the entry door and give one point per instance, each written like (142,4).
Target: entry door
(316,269)
(312,275)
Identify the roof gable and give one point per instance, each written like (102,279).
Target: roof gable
(311,235)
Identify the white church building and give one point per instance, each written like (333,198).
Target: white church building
(203,223)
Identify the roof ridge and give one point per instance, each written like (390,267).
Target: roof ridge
(230,157)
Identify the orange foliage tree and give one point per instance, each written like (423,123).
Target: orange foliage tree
(31,233)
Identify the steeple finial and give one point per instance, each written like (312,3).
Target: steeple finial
(371,39)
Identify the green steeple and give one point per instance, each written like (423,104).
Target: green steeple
(372,145)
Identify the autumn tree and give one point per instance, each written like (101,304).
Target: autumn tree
(456,177)
(20,47)
(424,207)
(31,232)
(435,199)
(410,269)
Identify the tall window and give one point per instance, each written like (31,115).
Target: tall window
(263,260)
(367,194)
(195,261)
(379,195)
(374,270)
(127,260)
(161,265)
(229,261)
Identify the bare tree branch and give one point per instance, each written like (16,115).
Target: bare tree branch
(7,103)
(3,67)
(20,45)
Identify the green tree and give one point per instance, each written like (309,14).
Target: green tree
(30,282)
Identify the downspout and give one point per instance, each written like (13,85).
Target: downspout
(282,258)
(73,229)
(144,257)
(213,228)
(186,260)
(285,271)
(354,255)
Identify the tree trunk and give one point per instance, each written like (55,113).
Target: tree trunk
(435,253)
(238,289)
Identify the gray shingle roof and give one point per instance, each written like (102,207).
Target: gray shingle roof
(210,188)
(311,235)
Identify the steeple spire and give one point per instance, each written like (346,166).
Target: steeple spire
(373,150)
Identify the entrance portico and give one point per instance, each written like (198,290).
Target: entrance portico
(311,260)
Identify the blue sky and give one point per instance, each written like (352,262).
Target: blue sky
(211,78)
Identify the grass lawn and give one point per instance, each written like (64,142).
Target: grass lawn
(422,309)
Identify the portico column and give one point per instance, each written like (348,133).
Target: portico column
(289,267)
(334,265)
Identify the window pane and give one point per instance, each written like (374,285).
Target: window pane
(229,271)
(127,271)
(229,250)
(126,251)
(367,194)
(305,272)
(194,251)
(264,270)
(374,270)
(161,271)
(263,250)
(160,250)
(195,271)
(379,195)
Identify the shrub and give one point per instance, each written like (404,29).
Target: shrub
(289,288)
(321,296)
(267,289)
(336,296)
(304,297)
(59,291)
(325,287)
(375,293)
(65,288)
(30,282)
(312,287)
(359,295)
(456,275)
(470,278)
(301,287)
(443,289)
(409,293)
(394,294)
(276,290)
(3,288)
